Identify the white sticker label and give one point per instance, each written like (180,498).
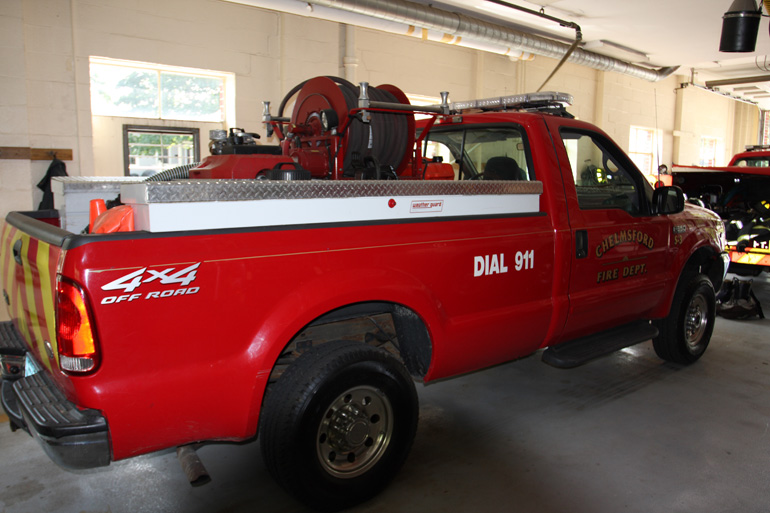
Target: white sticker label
(170,276)
(423,206)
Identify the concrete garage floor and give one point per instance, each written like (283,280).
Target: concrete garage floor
(627,433)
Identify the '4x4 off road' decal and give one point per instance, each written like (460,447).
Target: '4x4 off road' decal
(132,281)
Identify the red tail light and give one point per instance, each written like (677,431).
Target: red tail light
(74,330)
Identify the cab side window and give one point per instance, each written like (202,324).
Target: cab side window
(602,180)
(492,153)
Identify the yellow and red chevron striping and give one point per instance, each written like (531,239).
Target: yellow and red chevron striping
(751,258)
(31,288)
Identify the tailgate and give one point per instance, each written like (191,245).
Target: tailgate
(29,254)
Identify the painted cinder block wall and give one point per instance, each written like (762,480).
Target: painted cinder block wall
(45,47)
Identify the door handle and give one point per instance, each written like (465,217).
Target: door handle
(581,243)
(17,251)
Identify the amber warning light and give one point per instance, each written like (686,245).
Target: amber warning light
(74,330)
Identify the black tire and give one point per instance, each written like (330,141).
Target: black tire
(686,332)
(338,424)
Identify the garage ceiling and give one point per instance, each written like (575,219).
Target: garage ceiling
(658,33)
(654,36)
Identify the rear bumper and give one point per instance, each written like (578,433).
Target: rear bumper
(749,257)
(73,438)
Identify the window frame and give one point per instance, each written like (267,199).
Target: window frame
(226,98)
(158,129)
(621,159)
(654,153)
(717,146)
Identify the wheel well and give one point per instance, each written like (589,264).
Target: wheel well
(706,261)
(392,327)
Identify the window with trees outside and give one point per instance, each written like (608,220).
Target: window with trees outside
(144,90)
(148,150)
(158,97)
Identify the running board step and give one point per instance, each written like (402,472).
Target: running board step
(10,341)
(582,350)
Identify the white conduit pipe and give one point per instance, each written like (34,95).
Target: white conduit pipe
(301,8)
(396,15)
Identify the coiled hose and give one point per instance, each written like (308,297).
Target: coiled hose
(384,138)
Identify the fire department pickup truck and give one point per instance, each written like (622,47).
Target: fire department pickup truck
(296,293)
(740,194)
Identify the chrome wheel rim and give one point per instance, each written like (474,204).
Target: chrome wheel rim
(695,323)
(355,432)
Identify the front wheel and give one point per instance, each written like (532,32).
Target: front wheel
(686,332)
(339,424)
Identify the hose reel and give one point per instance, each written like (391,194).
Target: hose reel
(324,128)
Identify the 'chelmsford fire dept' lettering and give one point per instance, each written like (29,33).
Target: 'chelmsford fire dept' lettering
(615,239)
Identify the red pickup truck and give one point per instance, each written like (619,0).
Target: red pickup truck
(740,194)
(302,310)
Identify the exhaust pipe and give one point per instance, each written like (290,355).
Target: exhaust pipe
(192,466)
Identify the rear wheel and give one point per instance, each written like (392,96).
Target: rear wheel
(686,332)
(339,424)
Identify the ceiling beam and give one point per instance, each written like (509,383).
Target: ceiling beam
(737,81)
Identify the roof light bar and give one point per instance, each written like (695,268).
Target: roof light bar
(515,101)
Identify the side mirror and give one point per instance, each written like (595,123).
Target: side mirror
(667,200)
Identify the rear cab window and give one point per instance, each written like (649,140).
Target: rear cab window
(753,162)
(482,153)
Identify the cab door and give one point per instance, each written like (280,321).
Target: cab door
(620,248)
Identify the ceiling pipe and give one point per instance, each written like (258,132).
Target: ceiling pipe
(307,10)
(737,81)
(685,85)
(474,29)
(563,23)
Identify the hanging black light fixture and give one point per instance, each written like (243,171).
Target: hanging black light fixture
(740,26)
